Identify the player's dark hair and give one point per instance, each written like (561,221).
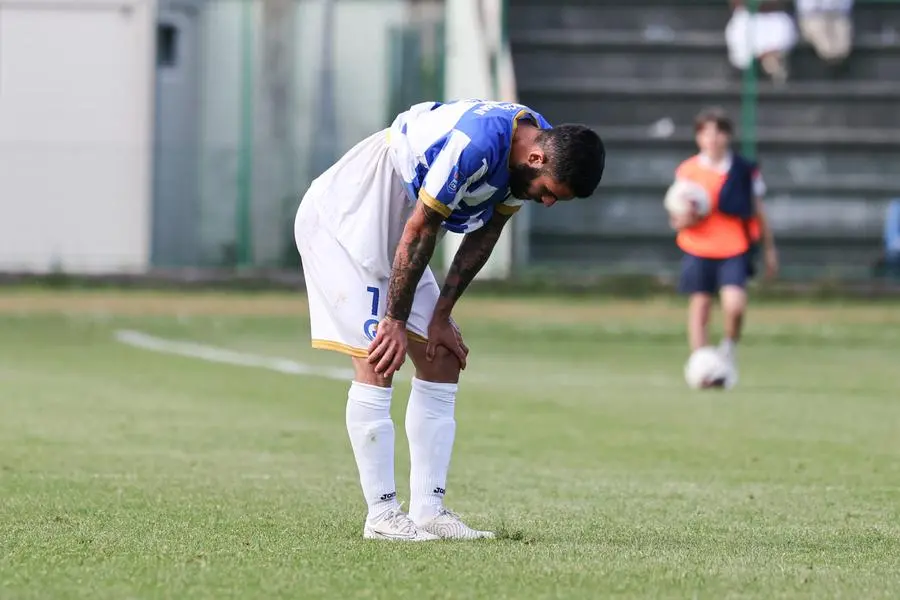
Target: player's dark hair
(577,157)
(717,116)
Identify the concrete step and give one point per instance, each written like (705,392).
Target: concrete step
(629,255)
(687,56)
(638,15)
(805,90)
(611,102)
(857,140)
(785,156)
(798,215)
(659,18)
(607,110)
(865,187)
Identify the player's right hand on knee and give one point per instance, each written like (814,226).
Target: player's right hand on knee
(388,350)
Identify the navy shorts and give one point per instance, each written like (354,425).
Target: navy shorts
(708,275)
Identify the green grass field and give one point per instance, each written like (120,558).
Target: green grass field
(126,473)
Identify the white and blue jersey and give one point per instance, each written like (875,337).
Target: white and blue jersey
(454,157)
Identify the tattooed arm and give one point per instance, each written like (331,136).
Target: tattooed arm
(457,164)
(471,256)
(387,352)
(413,255)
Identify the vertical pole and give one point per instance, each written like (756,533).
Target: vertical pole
(503,46)
(494,57)
(441,59)
(749,95)
(521,223)
(245,152)
(325,128)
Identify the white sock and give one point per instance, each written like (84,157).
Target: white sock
(728,348)
(430,427)
(371,434)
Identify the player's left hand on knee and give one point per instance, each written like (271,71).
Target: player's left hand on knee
(387,352)
(459,336)
(444,332)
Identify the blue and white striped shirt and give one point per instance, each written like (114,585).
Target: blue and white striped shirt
(454,157)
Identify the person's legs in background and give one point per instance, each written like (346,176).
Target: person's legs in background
(830,34)
(698,281)
(732,276)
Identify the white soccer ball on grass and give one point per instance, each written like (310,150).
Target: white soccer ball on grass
(683,194)
(707,368)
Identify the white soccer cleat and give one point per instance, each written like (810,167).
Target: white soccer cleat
(448,526)
(396,525)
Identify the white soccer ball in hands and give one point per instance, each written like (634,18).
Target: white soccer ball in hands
(683,195)
(707,368)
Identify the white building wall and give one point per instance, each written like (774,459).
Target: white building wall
(76,102)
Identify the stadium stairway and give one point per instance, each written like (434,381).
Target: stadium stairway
(639,71)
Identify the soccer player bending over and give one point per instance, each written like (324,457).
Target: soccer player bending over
(366,230)
(719,249)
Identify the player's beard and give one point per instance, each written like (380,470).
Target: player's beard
(520,178)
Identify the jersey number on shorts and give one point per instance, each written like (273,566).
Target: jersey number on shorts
(370,325)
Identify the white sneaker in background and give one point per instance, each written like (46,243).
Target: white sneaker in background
(727,350)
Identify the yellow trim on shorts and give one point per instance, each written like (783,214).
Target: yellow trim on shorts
(416,337)
(338,347)
(505,209)
(359,352)
(432,203)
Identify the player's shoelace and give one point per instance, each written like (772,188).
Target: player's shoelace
(401,522)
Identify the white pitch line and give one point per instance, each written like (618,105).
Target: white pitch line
(288,366)
(228,357)
(215,354)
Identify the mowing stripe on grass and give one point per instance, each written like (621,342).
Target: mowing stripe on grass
(289,366)
(228,357)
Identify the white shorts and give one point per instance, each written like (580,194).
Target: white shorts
(346,301)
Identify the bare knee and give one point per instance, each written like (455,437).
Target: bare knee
(734,301)
(443,368)
(363,372)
